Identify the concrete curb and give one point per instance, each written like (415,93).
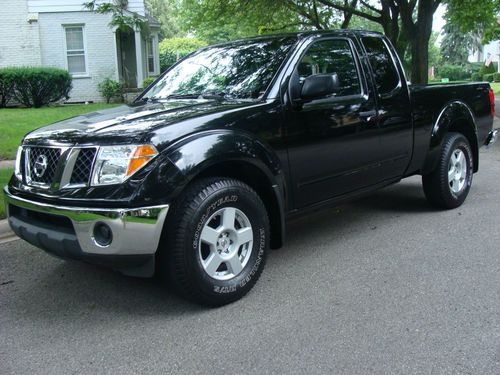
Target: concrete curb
(7,164)
(6,234)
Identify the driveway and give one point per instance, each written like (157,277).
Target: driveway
(385,285)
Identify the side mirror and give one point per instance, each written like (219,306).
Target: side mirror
(319,85)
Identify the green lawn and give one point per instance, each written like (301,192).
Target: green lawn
(16,122)
(496,87)
(4,178)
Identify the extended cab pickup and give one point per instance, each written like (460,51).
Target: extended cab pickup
(197,178)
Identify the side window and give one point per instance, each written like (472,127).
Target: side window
(329,57)
(386,75)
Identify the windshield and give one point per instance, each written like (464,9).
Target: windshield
(240,70)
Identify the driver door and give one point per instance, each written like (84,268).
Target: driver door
(332,140)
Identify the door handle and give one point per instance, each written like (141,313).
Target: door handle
(368,116)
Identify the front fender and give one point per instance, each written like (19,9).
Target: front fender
(194,154)
(455,116)
(240,155)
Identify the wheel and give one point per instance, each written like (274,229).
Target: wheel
(217,241)
(448,185)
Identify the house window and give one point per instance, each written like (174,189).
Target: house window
(151,56)
(75,50)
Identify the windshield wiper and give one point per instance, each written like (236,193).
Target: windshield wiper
(200,95)
(149,99)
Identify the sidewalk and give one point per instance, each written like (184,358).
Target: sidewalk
(6,235)
(7,164)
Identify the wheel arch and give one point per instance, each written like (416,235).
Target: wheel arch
(232,155)
(457,117)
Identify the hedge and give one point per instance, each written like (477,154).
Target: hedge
(34,86)
(496,77)
(6,85)
(476,77)
(488,77)
(454,72)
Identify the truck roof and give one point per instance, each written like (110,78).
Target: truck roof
(304,34)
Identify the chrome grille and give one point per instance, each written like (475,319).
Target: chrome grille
(42,164)
(83,166)
(58,167)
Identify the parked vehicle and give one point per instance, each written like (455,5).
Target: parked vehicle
(197,179)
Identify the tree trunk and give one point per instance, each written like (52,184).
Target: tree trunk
(420,42)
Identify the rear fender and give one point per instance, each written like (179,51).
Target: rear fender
(456,116)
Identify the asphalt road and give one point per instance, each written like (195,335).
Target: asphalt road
(386,285)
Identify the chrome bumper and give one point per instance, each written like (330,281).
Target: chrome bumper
(135,231)
(492,137)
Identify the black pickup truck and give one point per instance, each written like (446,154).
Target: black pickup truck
(198,177)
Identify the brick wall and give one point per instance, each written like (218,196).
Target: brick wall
(100,49)
(19,41)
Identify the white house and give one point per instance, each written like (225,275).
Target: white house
(488,51)
(61,33)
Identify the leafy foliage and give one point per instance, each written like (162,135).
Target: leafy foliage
(476,77)
(456,45)
(221,20)
(119,19)
(6,85)
(167,12)
(34,86)
(147,81)
(473,15)
(487,72)
(174,49)
(110,89)
(488,77)
(454,72)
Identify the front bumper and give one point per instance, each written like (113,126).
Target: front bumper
(68,232)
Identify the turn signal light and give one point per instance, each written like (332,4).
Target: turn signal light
(141,156)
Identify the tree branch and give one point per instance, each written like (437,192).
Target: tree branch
(351,10)
(371,7)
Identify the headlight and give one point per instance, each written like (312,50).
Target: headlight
(17,166)
(114,164)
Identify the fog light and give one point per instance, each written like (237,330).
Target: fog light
(102,234)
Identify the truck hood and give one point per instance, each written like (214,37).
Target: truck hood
(157,123)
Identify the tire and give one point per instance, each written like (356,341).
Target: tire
(449,184)
(203,250)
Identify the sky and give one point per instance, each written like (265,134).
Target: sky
(439,21)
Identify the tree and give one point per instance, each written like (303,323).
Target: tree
(474,15)
(120,19)
(167,13)
(456,45)
(173,49)
(407,23)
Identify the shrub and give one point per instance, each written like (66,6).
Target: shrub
(454,72)
(35,86)
(488,77)
(147,81)
(173,49)
(110,88)
(496,77)
(6,86)
(484,70)
(476,77)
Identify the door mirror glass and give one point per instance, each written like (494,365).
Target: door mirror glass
(319,85)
